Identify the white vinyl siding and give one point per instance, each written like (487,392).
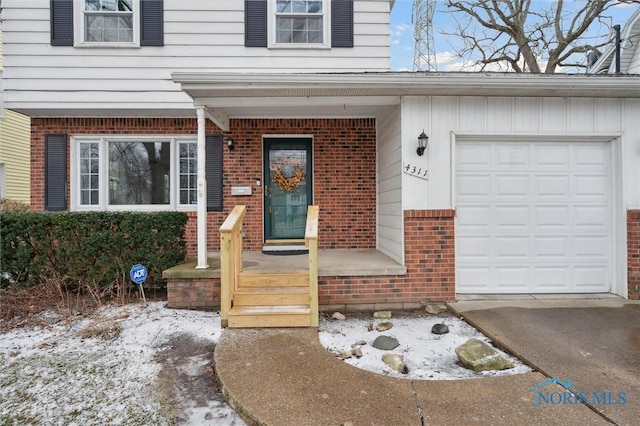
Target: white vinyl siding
(208,36)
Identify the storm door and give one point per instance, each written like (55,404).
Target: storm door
(288,191)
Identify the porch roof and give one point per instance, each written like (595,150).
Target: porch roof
(230,95)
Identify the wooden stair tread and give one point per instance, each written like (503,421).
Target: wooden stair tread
(272,290)
(269,310)
(275,272)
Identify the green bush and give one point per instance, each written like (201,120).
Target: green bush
(91,251)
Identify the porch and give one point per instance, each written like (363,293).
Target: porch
(188,287)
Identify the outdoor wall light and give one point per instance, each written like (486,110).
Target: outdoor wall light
(423,140)
(230,144)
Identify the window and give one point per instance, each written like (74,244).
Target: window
(134,173)
(300,22)
(108,21)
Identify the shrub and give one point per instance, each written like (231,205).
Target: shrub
(88,252)
(7,205)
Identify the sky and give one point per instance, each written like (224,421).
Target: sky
(402,44)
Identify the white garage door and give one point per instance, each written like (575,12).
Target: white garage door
(533,217)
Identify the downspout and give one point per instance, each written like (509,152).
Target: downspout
(202,192)
(616,28)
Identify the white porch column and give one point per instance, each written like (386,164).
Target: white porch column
(202,193)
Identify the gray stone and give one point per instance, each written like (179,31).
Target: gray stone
(357,352)
(338,316)
(478,356)
(382,314)
(384,326)
(385,343)
(435,308)
(359,343)
(394,361)
(440,328)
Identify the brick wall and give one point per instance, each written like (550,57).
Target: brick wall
(430,260)
(344,153)
(633,253)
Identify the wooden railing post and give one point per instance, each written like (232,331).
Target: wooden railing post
(230,260)
(311,241)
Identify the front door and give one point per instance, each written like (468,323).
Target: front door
(288,192)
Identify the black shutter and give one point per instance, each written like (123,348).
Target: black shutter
(55,172)
(255,23)
(342,23)
(61,22)
(213,172)
(151,23)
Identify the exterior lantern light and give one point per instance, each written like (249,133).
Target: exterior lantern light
(423,140)
(230,144)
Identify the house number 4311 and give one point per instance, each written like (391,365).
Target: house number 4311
(417,171)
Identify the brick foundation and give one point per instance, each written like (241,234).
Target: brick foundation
(201,293)
(633,253)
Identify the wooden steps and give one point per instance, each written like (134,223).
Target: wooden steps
(271,298)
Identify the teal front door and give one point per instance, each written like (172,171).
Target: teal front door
(288,191)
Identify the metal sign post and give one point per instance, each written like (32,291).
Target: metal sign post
(138,274)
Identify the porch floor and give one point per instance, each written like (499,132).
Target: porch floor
(356,262)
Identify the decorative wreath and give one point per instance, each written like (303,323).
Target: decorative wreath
(287,173)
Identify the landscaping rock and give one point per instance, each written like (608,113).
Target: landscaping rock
(394,361)
(384,326)
(385,343)
(382,314)
(359,343)
(440,328)
(478,356)
(357,352)
(435,308)
(338,316)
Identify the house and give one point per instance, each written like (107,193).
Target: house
(526,184)
(14,150)
(622,57)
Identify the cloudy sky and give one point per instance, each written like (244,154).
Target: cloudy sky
(402,44)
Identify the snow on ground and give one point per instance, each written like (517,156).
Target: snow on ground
(146,364)
(426,355)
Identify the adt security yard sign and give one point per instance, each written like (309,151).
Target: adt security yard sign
(138,274)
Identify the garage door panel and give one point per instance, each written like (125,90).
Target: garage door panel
(546,217)
(533,217)
(474,187)
(551,247)
(590,188)
(552,187)
(512,186)
(512,217)
(512,278)
(475,248)
(550,278)
(514,156)
(551,156)
(590,248)
(474,218)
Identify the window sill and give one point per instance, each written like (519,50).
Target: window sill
(107,45)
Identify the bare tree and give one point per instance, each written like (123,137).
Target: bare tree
(519,36)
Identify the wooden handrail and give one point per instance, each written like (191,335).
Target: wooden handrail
(230,260)
(311,241)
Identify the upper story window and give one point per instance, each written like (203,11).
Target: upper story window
(108,21)
(112,23)
(300,22)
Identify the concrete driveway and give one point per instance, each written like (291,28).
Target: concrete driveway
(591,345)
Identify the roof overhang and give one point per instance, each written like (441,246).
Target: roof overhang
(603,64)
(228,96)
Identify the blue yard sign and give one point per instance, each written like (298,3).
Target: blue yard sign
(138,274)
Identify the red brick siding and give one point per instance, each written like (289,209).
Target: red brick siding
(633,253)
(344,152)
(193,293)
(430,260)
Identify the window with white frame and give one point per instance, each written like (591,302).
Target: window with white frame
(108,21)
(134,173)
(300,22)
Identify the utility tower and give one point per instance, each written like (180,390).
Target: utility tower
(424,57)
